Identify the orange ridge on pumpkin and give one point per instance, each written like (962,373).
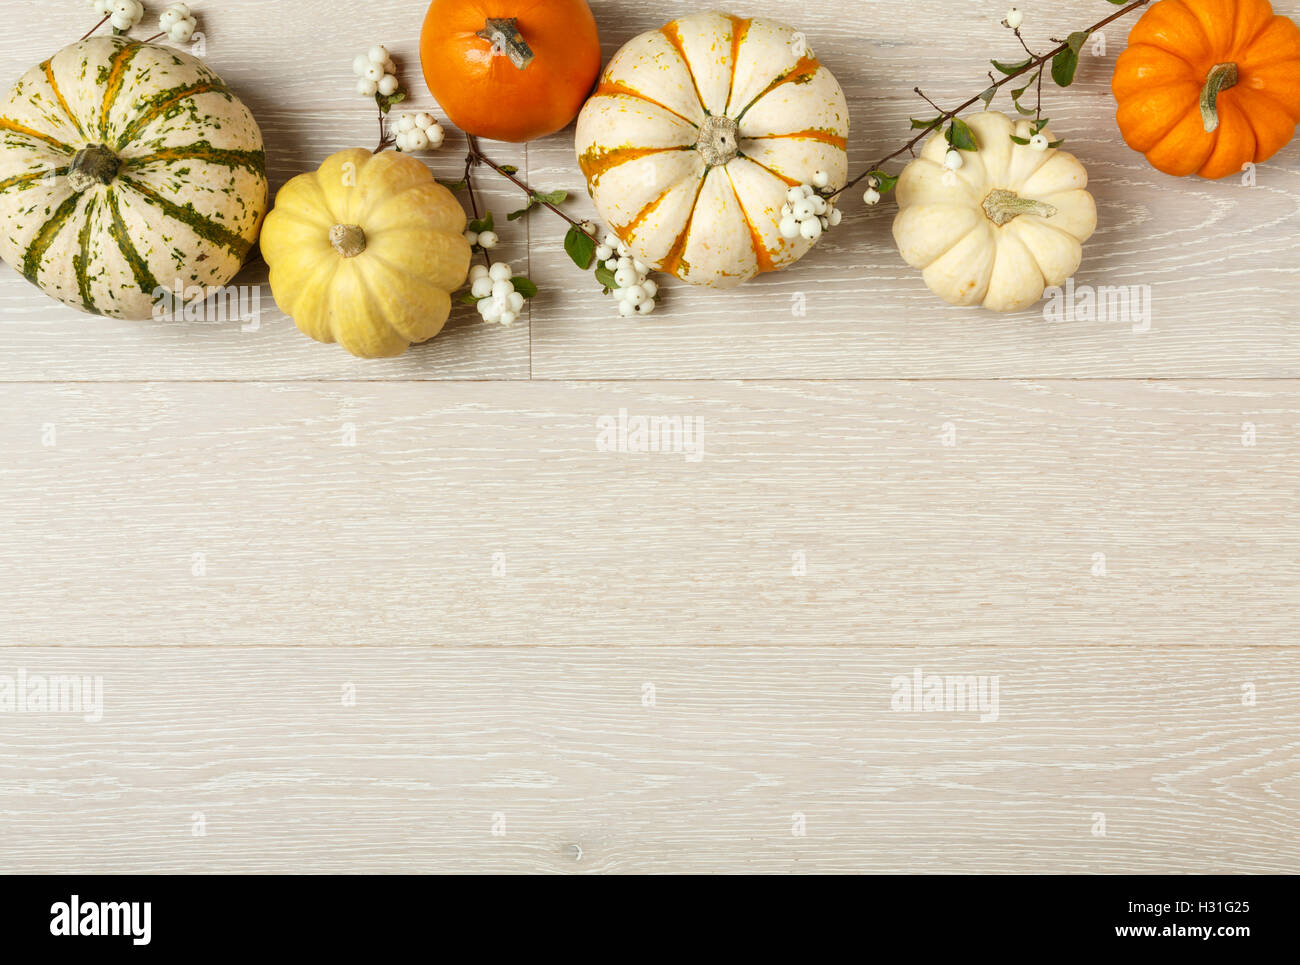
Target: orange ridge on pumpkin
(113,84)
(595,163)
(10,125)
(808,134)
(674,37)
(618,87)
(761,255)
(673,260)
(739,31)
(631,227)
(792,182)
(48,68)
(806,67)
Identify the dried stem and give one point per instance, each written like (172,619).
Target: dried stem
(96,27)
(1034,61)
(476,156)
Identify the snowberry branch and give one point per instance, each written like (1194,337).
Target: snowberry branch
(478,157)
(1038,62)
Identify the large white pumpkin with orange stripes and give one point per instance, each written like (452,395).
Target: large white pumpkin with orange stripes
(696,132)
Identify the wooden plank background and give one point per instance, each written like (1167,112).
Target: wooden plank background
(237,529)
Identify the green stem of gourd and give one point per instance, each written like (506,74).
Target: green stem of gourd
(504,36)
(92,165)
(1220,78)
(1002,206)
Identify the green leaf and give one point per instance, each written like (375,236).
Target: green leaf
(516,215)
(1011,68)
(524,286)
(1025,111)
(1063,67)
(550,197)
(480,225)
(1020,140)
(885,182)
(1033,78)
(1077,39)
(605,277)
(923,125)
(1056,143)
(988,94)
(580,247)
(468,299)
(961,136)
(509,169)
(450,185)
(1040,124)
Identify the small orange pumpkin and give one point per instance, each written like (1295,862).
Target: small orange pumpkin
(1206,86)
(510,70)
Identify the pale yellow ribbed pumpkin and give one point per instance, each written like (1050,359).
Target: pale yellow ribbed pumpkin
(696,132)
(1002,228)
(366,252)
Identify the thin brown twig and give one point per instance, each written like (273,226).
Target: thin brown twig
(1037,61)
(96,27)
(478,157)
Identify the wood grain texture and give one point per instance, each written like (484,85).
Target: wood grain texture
(392,540)
(559,750)
(1220,258)
(232,527)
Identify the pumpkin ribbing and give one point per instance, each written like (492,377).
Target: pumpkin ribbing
(159,175)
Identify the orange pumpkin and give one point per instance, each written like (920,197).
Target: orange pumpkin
(510,70)
(1206,86)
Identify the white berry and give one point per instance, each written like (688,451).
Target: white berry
(367,87)
(487,240)
(953,159)
(482,287)
(435,135)
(1038,142)
(500,271)
(471,237)
(603,253)
(834,217)
(626,309)
(645,307)
(821,179)
(810,229)
(871,196)
(378,55)
(388,85)
(789,227)
(1014,18)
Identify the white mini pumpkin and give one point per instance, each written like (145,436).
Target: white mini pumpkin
(999,230)
(696,132)
(125,169)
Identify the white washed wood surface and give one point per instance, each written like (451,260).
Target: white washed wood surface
(1223,260)
(306,540)
(559,749)
(129,448)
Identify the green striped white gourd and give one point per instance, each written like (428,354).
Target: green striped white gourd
(126,169)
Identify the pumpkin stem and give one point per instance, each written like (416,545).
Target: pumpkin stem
(718,142)
(348,239)
(1000,206)
(92,165)
(1220,78)
(505,38)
